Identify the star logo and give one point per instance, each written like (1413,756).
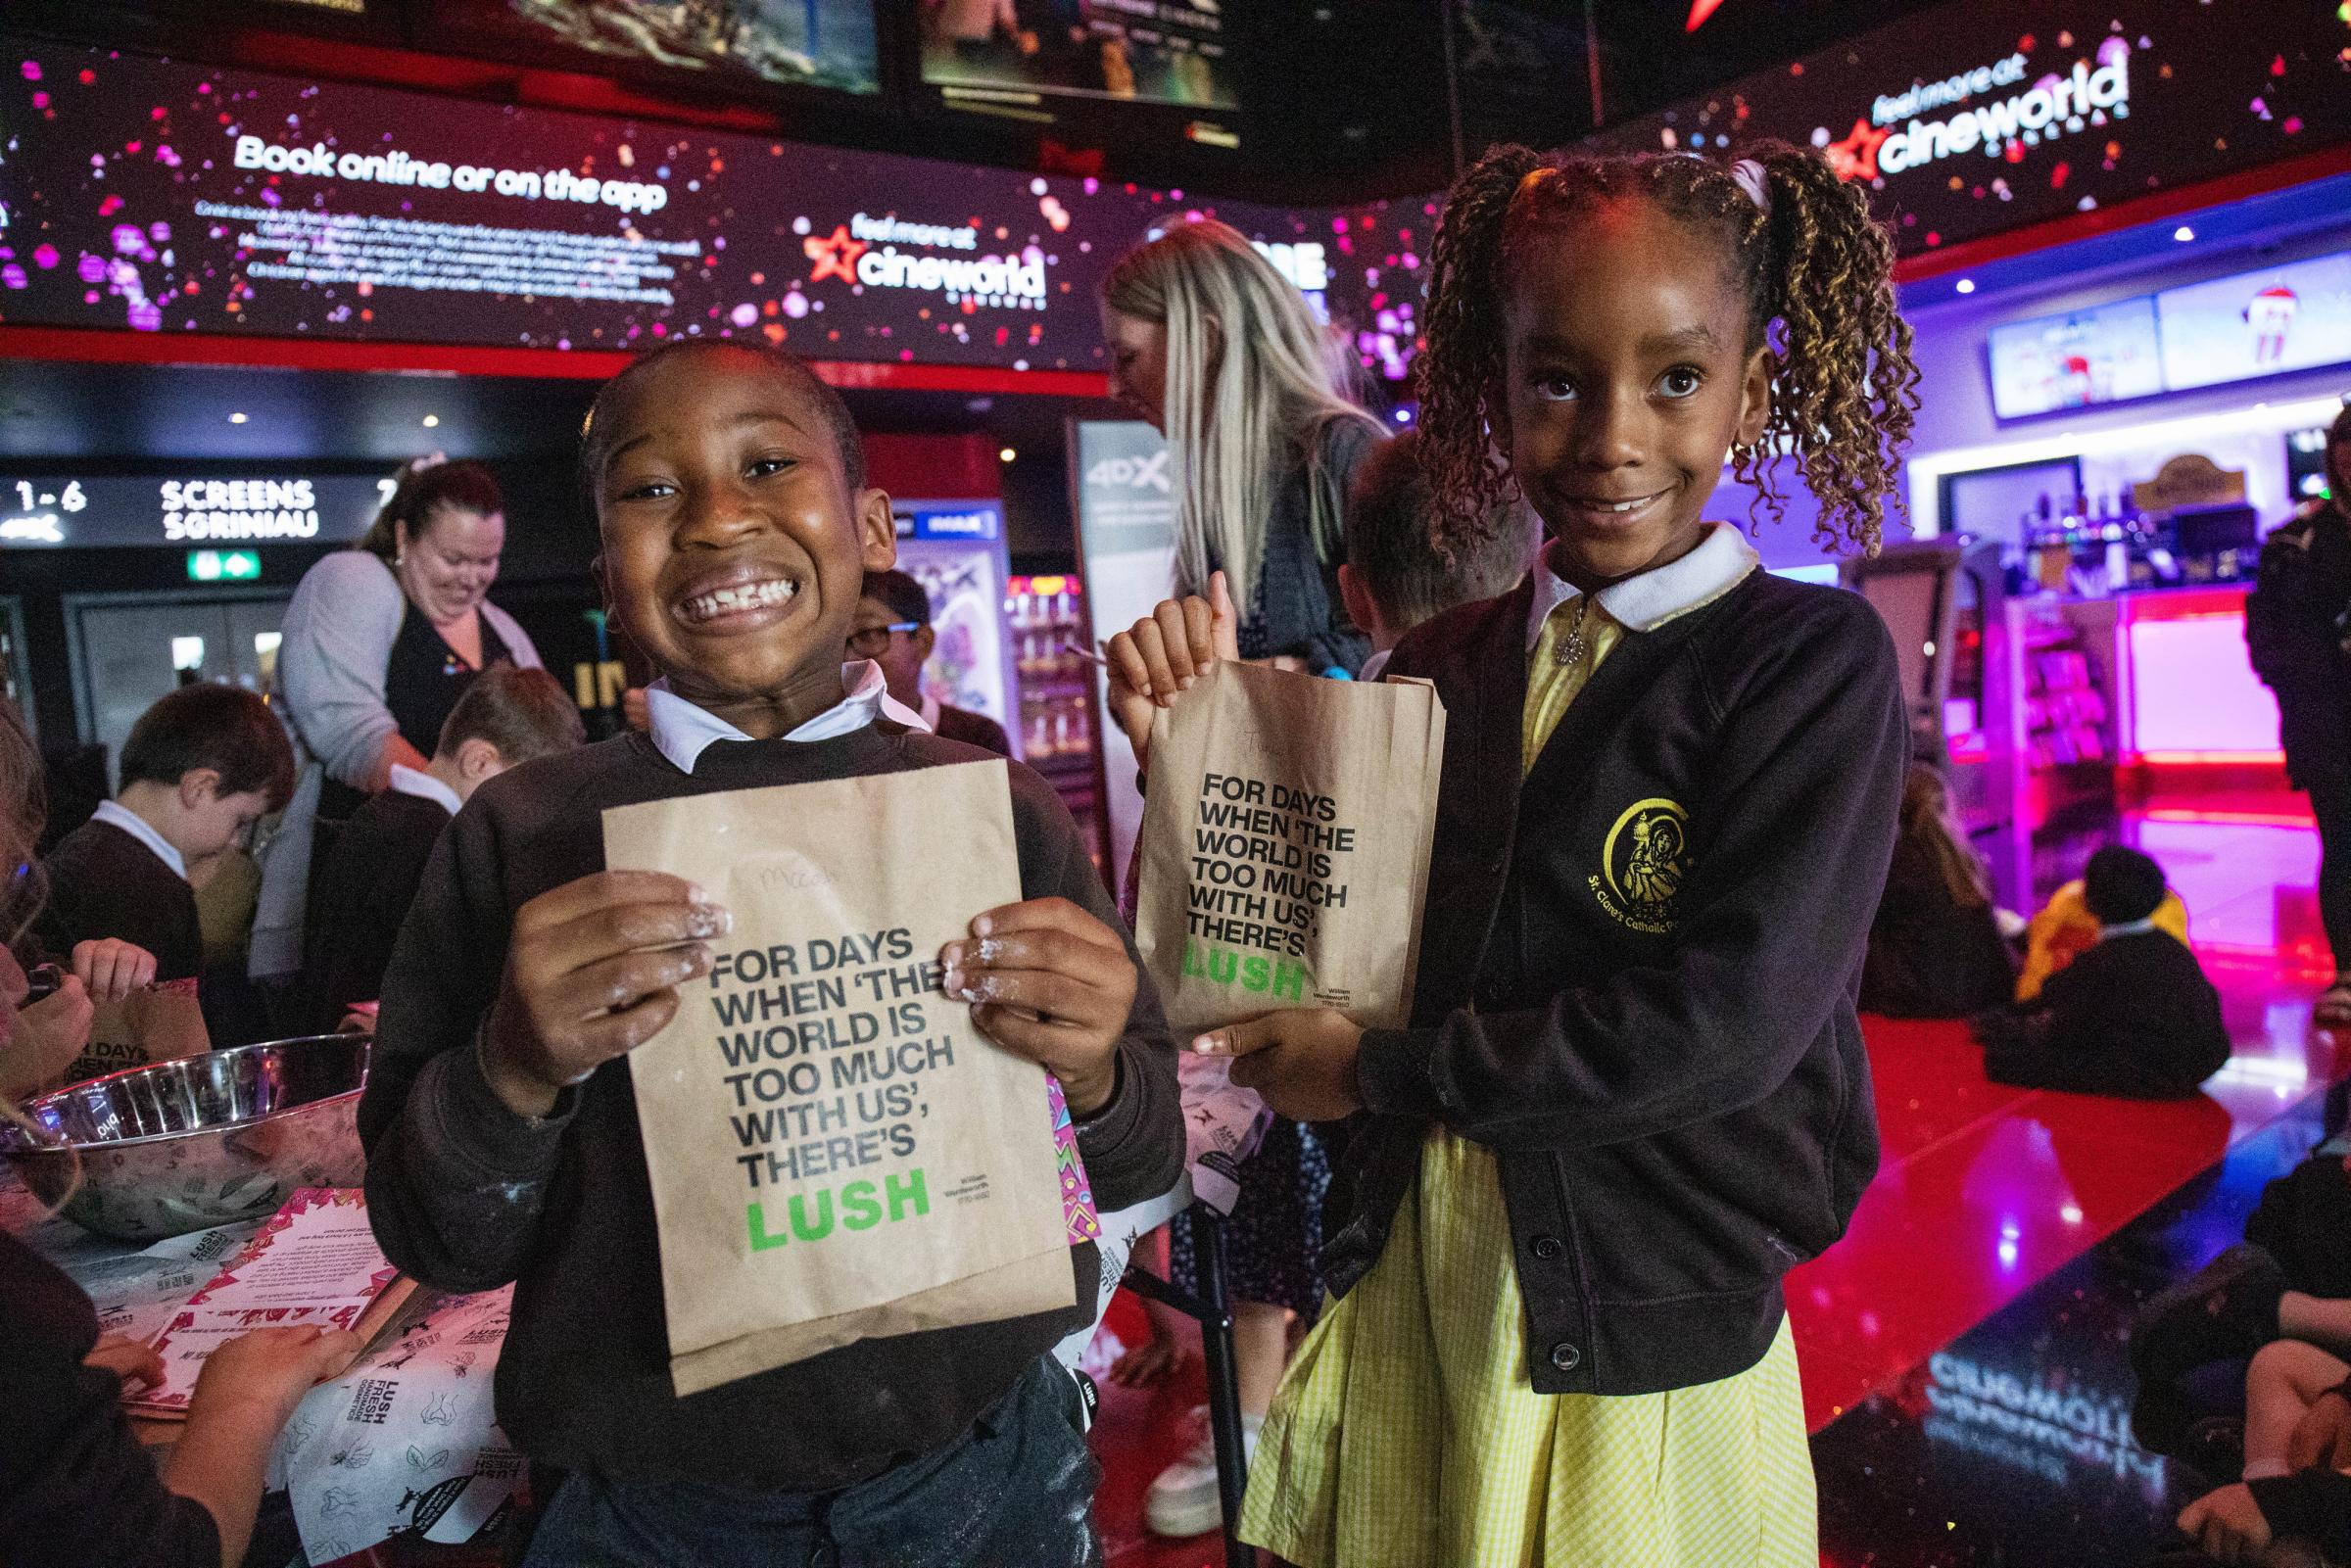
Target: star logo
(1854,158)
(835,255)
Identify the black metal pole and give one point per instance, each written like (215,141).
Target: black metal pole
(1223,1379)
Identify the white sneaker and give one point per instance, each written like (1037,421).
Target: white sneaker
(1183,1500)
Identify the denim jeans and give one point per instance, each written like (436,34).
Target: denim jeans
(1015,1491)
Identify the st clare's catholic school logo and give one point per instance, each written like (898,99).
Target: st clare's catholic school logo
(1642,864)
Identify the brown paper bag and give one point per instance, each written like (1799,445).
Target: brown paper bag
(836,1153)
(162,1022)
(1286,843)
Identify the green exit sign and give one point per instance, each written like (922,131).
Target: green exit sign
(225,566)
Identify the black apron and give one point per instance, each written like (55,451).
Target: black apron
(423,679)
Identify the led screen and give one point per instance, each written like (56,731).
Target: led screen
(815,43)
(2292,317)
(1148,51)
(2102,355)
(1990,114)
(166,197)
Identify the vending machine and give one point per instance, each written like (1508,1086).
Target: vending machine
(955,548)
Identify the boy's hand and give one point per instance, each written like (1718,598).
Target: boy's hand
(267,1372)
(2227,1525)
(1302,1061)
(134,1363)
(1048,981)
(592,973)
(112,969)
(1153,661)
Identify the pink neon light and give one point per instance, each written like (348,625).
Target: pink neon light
(2176,759)
(2193,696)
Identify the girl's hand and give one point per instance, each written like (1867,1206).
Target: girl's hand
(1155,660)
(134,1363)
(268,1371)
(1048,981)
(1301,1061)
(112,969)
(50,1034)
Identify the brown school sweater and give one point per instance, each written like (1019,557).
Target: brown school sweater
(465,1195)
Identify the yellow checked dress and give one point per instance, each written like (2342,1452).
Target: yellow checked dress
(1407,1435)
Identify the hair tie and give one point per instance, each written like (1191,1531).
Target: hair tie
(1752,180)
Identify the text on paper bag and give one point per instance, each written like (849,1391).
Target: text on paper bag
(1267,859)
(827,1043)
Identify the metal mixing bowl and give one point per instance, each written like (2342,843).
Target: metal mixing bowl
(206,1140)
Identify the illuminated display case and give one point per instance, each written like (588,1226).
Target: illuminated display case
(1045,618)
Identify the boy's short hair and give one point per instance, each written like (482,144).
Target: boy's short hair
(1389,545)
(905,597)
(225,727)
(524,713)
(2121,885)
(840,423)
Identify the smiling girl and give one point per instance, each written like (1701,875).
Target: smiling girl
(1633,1094)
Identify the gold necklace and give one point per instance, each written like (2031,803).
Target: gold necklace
(1569,650)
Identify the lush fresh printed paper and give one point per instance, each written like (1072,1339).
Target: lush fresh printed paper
(314,1260)
(405,1442)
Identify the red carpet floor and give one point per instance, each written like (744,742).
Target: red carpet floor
(1983,1190)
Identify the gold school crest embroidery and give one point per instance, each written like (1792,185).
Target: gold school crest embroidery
(1643,864)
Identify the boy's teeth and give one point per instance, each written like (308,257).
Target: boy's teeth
(731,600)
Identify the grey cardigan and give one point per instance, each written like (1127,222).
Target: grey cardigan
(337,637)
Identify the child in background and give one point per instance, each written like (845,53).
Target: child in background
(1935,948)
(509,715)
(76,1485)
(1633,1093)
(2064,930)
(1394,578)
(2134,1016)
(502,1132)
(893,630)
(2297,1450)
(200,768)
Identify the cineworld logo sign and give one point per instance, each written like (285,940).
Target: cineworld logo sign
(987,277)
(860,251)
(2052,107)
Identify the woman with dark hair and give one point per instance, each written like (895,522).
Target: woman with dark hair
(2297,623)
(380,642)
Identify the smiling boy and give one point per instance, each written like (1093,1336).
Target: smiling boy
(500,1126)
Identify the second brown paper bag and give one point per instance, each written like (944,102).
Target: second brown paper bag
(836,1153)
(1285,843)
(159,1022)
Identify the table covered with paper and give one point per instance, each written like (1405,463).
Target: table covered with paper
(402,1447)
